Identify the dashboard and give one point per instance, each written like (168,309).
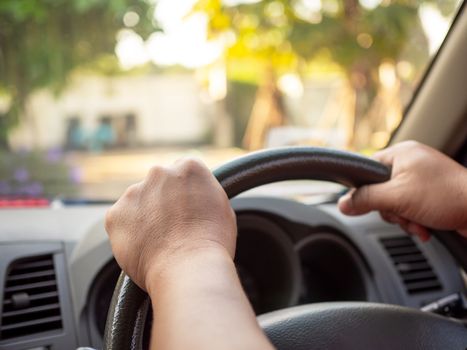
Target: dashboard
(57,272)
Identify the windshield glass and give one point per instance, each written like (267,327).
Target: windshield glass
(93,93)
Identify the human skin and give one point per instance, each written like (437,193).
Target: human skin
(427,190)
(174,234)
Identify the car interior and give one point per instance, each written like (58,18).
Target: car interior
(58,274)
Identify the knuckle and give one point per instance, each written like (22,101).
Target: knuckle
(412,144)
(109,221)
(233,215)
(155,172)
(132,191)
(191,166)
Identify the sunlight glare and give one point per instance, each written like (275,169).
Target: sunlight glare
(370,4)
(130,49)
(217,87)
(239,2)
(434,25)
(309,10)
(185,44)
(387,75)
(291,85)
(130,19)
(183,40)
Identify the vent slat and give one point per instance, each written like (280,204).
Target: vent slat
(38,321)
(414,276)
(408,258)
(30,286)
(32,310)
(395,242)
(401,251)
(412,267)
(30,275)
(415,271)
(31,299)
(424,285)
(32,267)
(34,264)
(35,297)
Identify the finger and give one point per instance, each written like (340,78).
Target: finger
(388,155)
(389,217)
(343,202)
(419,230)
(367,198)
(399,220)
(393,218)
(385,156)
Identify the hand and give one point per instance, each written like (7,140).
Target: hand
(426,189)
(173,213)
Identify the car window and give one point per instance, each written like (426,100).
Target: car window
(93,93)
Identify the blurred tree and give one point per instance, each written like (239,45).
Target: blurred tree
(42,41)
(269,37)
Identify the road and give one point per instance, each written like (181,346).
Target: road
(107,175)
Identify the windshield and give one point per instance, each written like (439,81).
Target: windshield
(93,93)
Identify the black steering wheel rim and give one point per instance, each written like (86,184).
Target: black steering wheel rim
(129,305)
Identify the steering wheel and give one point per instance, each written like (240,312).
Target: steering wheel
(339,325)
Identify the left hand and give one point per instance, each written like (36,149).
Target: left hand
(174,213)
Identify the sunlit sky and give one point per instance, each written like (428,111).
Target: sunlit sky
(184,40)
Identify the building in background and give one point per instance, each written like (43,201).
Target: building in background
(99,112)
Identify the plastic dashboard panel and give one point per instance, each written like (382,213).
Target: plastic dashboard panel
(63,338)
(365,233)
(85,250)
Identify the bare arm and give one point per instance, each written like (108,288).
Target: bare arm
(174,234)
(427,190)
(199,304)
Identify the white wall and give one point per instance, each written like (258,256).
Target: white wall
(167,108)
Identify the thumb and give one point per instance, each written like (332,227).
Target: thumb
(364,199)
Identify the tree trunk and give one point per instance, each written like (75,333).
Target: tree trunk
(3,133)
(365,91)
(268,111)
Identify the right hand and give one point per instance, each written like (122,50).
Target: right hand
(426,189)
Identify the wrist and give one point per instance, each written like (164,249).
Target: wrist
(179,262)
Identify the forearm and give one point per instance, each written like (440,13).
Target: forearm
(463,200)
(199,304)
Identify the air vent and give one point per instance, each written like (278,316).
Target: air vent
(30,302)
(414,269)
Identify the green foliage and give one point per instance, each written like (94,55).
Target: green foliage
(42,41)
(274,31)
(286,35)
